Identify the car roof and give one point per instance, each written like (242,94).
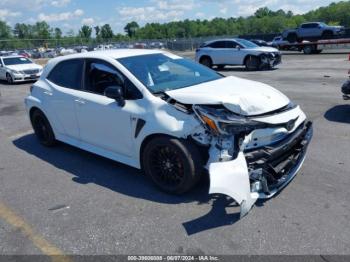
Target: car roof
(222,39)
(103,54)
(114,54)
(312,23)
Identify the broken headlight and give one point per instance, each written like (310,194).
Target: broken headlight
(222,121)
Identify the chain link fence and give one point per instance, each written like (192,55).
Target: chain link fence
(181,44)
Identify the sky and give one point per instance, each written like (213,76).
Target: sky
(72,14)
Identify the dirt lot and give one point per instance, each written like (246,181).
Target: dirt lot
(69,201)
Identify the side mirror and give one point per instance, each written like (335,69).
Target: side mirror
(116,93)
(238,48)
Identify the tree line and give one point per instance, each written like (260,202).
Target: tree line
(264,21)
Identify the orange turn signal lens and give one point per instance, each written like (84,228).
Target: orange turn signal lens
(211,124)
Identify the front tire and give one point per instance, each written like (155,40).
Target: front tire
(173,165)
(43,129)
(252,63)
(9,79)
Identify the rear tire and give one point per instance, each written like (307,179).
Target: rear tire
(173,165)
(252,63)
(309,49)
(43,129)
(206,61)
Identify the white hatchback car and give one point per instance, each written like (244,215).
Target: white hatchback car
(18,69)
(237,51)
(172,117)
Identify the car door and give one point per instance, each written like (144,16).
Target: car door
(307,30)
(217,52)
(65,81)
(102,122)
(234,54)
(2,70)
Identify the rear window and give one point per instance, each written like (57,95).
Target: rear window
(67,74)
(218,44)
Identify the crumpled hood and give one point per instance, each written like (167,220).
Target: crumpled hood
(238,95)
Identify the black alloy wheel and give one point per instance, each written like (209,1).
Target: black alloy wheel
(42,129)
(174,165)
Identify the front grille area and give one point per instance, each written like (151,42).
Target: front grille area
(31,71)
(272,165)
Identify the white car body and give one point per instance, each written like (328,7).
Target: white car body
(97,123)
(67,51)
(19,72)
(234,52)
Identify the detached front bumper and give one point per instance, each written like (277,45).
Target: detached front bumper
(261,173)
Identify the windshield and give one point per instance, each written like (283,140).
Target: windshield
(246,43)
(16,61)
(161,73)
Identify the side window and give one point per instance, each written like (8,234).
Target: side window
(218,44)
(100,74)
(313,25)
(231,44)
(67,74)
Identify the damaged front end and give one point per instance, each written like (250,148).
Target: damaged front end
(253,157)
(270,60)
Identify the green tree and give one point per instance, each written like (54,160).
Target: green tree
(58,33)
(97,30)
(42,30)
(262,12)
(131,28)
(21,30)
(5,30)
(106,32)
(85,32)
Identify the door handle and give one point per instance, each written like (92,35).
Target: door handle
(80,101)
(48,93)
